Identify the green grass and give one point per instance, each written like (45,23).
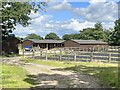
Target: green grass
(13,77)
(10,55)
(106,73)
(68,63)
(50,63)
(108,76)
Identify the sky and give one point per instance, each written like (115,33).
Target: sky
(65,17)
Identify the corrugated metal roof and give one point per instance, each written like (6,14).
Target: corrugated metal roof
(46,41)
(89,42)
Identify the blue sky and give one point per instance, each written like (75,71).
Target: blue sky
(70,17)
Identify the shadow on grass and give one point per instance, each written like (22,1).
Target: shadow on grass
(48,81)
(107,76)
(31,79)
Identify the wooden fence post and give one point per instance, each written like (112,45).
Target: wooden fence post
(60,54)
(54,54)
(109,57)
(91,56)
(23,52)
(33,53)
(46,54)
(75,56)
(40,52)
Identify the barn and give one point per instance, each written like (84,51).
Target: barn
(43,43)
(82,44)
(10,45)
(85,44)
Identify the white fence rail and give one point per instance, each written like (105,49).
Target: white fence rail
(73,54)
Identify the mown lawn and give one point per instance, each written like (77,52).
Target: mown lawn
(106,73)
(13,77)
(50,62)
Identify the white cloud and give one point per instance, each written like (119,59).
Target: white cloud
(108,25)
(98,10)
(34,15)
(23,31)
(61,6)
(76,25)
(96,1)
(43,24)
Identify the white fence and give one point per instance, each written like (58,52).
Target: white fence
(74,54)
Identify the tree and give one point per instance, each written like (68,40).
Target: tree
(71,36)
(115,35)
(98,26)
(66,37)
(14,13)
(87,34)
(96,33)
(108,33)
(19,38)
(33,36)
(52,36)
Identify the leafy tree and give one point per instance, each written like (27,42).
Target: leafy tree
(115,35)
(87,33)
(98,26)
(96,33)
(71,36)
(75,36)
(52,36)
(14,13)
(19,38)
(33,36)
(108,33)
(101,35)
(66,37)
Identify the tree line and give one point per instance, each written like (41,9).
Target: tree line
(112,36)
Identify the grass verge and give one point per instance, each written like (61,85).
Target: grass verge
(13,77)
(49,62)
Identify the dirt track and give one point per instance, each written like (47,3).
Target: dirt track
(44,76)
(52,77)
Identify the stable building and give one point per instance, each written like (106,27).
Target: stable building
(43,43)
(10,45)
(86,44)
(49,44)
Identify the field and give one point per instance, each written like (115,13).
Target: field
(106,73)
